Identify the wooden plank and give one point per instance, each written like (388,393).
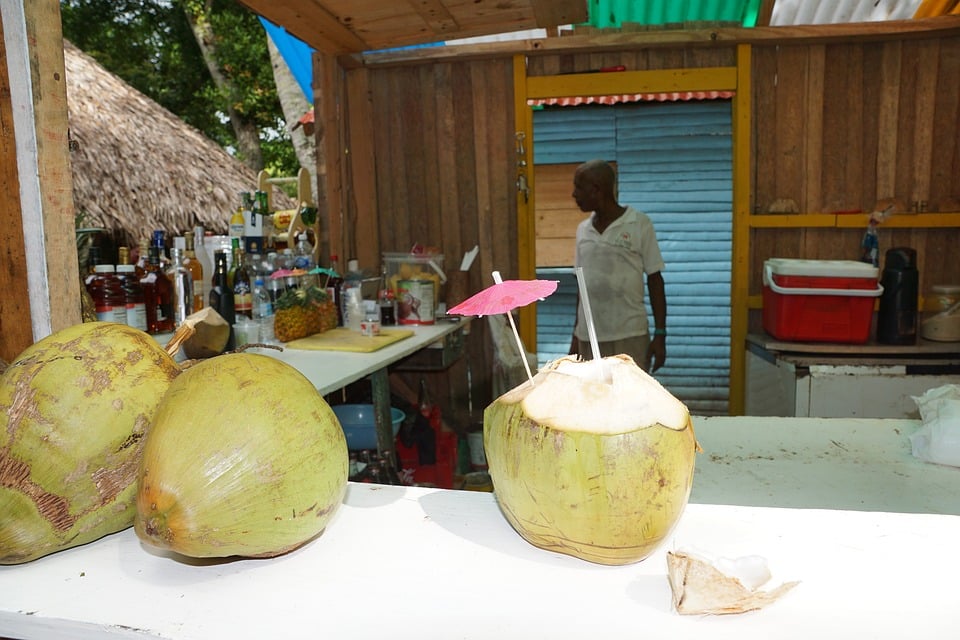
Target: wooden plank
(889,106)
(310,22)
(384,143)
(16,332)
(945,154)
(791,99)
(550,13)
(764,104)
(362,162)
(871,132)
(765,13)
(453,242)
(835,129)
(555,252)
(435,14)
(47,208)
(813,144)
(487,238)
(925,96)
(854,148)
(601,84)
(906,115)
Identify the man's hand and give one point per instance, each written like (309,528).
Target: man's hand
(656,353)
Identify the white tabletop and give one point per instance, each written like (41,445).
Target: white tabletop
(456,569)
(332,370)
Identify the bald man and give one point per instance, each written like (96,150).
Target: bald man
(617,248)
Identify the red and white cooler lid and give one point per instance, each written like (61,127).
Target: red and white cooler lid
(822,268)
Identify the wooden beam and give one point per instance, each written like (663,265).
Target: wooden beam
(33,41)
(726,36)
(550,13)
(310,22)
(660,81)
(436,15)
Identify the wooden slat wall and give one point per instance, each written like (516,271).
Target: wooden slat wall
(850,127)
(439,142)
(557,215)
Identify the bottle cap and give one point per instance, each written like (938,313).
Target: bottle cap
(125,268)
(180,242)
(103,268)
(353,265)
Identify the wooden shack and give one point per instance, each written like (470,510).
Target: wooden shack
(424,145)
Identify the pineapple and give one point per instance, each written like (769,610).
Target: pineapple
(303,312)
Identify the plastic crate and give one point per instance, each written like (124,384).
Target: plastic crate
(819,300)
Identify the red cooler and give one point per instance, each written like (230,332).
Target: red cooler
(819,300)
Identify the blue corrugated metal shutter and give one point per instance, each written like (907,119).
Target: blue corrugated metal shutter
(675,164)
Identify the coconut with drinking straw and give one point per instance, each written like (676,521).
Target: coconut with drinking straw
(593,459)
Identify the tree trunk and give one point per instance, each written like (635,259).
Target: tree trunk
(248,137)
(294,105)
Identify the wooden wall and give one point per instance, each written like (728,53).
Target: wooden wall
(837,126)
(436,167)
(852,127)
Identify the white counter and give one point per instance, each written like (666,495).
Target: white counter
(455,569)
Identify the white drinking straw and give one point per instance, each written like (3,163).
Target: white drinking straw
(587,314)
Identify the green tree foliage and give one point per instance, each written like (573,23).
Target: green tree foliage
(150,45)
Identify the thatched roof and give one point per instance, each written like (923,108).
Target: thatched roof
(138,167)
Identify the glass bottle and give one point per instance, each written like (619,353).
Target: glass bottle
(182,281)
(133,296)
(232,262)
(123,256)
(237,223)
(333,287)
(157,295)
(158,242)
(221,295)
(242,290)
(107,293)
(143,258)
(385,300)
(93,259)
(192,263)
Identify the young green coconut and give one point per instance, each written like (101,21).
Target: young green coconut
(244,458)
(74,410)
(593,459)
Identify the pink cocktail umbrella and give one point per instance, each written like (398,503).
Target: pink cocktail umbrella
(503,297)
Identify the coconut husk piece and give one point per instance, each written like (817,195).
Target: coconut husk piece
(699,587)
(203,334)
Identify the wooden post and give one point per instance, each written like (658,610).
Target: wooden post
(44,211)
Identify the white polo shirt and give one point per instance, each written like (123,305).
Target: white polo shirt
(614,267)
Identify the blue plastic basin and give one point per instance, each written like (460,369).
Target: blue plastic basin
(357,422)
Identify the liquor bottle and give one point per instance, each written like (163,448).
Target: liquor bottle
(143,258)
(182,281)
(191,262)
(232,261)
(221,295)
(157,241)
(242,290)
(133,296)
(157,294)
(123,256)
(107,293)
(93,259)
(385,300)
(237,220)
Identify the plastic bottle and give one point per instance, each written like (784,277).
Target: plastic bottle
(107,293)
(263,310)
(303,253)
(351,300)
(133,296)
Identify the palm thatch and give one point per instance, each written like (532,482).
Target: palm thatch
(137,167)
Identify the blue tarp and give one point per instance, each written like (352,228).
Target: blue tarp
(297,54)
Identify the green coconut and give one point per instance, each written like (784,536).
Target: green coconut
(244,458)
(74,410)
(594,459)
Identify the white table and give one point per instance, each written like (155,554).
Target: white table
(455,568)
(329,371)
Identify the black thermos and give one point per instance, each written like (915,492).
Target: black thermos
(897,318)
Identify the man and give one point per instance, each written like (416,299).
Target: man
(617,247)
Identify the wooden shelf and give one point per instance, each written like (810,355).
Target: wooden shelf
(852,220)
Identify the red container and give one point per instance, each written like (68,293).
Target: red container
(819,300)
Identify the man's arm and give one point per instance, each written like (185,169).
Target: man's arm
(657,353)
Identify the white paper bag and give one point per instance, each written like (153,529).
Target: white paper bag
(938,440)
